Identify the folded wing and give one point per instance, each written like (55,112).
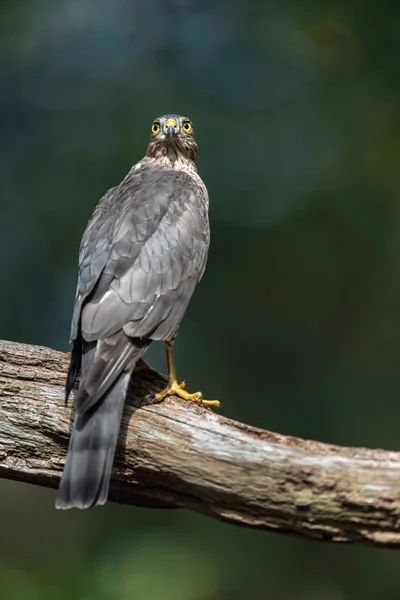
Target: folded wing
(140,259)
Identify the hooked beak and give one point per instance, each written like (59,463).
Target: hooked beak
(172,127)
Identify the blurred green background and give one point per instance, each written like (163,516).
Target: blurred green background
(296,324)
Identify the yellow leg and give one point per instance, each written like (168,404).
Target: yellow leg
(173,388)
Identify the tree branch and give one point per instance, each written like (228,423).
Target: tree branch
(176,454)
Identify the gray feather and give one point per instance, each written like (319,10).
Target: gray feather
(111,357)
(159,237)
(86,477)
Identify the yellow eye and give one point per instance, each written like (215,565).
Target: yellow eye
(187,127)
(155,128)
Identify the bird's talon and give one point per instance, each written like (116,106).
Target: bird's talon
(178,389)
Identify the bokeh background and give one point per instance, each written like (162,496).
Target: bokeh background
(296,324)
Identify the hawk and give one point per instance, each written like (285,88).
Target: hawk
(142,255)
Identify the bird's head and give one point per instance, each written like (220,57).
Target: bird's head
(172,140)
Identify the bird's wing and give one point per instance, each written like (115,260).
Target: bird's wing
(155,257)
(93,253)
(140,260)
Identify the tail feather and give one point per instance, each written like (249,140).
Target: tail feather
(106,367)
(86,477)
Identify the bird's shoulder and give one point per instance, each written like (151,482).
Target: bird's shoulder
(133,191)
(151,172)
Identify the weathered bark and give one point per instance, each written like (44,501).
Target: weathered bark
(176,454)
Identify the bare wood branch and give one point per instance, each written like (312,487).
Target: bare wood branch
(176,454)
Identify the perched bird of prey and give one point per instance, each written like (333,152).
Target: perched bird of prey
(141,257)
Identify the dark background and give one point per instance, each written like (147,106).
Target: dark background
(296,324)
